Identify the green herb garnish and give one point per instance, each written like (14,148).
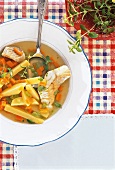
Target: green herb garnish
(9,100)
(44,105)
(24,74)
(3,75)
(57,104)
(14,96)
(36,114)
(29,121)
(40,78)
(102,14)
(48,60)
(41,88)
(56,92)
(10,71)
(46,66)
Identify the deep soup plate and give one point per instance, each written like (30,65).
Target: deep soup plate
(80,84)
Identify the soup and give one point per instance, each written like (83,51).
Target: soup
(19,100)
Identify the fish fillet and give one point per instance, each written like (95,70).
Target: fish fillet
(54,79)
(9,52)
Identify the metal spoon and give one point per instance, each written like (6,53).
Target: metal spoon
(38,57)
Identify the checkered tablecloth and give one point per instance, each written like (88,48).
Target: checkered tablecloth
(101,55)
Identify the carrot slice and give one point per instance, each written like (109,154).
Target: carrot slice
(39,72)
(3,103)
(58,97)
(2,61)
(4,69)
(12,81)
(41,68)
(0,90)
(29,109)
(17,77)
(1,68)
(20,81)
(18,51)
(10,64)
(19,118)
(9,85)
(1,107)
(60,88)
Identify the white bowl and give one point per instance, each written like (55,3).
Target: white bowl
(79,90)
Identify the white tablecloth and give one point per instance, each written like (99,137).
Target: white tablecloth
(90,145)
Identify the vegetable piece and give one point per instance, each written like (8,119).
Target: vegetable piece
(9,85)
(3,69)
(20,67)
(58,97)
(41,88)
(2,104)
(12,81)
(15,89)
(19,118)
(20,81)
(60,88)
(32,91)
(10,64)
(19,101)
(40,78)
(36,109)
(40,70)
(18,51)
(48,60)
(22,113)
(57,104)
(29,121)
(2,61)
(1,107)
(17,77)
(29,109)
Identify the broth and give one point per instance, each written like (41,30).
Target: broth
(29,49)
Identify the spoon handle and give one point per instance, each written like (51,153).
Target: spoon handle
(41,13)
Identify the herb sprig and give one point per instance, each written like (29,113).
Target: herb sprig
(102,14)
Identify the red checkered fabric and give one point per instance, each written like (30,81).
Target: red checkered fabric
(101,55)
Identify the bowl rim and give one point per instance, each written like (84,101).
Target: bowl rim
(91,79)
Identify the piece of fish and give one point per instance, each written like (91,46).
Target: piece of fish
(54,79)
(14,53)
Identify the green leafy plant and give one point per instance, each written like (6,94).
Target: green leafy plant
(102,14)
